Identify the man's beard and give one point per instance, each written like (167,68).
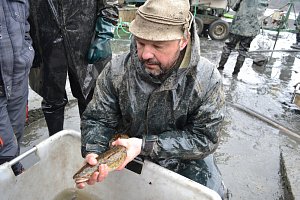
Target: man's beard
(162,69)
(154,73)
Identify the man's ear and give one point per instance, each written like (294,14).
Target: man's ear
(183,42)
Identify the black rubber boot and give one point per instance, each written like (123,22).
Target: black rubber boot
(55,120)
(238,65)
(223,60)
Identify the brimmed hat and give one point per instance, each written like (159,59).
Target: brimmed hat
(162,20)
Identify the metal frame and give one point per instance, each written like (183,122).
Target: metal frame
(283,26)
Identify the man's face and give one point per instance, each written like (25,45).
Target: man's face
(158,56)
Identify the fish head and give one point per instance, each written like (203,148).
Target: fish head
(84,173)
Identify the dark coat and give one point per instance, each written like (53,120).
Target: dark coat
(16,52)
(72,23)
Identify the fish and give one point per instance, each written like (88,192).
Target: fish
(113,157)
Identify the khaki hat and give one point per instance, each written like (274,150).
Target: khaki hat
(162,20)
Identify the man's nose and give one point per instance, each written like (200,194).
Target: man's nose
(147,53)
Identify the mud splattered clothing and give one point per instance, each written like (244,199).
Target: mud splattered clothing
(178,117)
(63,32)
(246,21)
(16,56)
(244,27)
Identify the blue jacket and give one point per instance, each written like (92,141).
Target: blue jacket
(16,52)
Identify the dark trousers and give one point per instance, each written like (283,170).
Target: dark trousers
(234,40)
(55,98)
(12,122)
(204,171)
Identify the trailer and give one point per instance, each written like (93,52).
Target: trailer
(59,157)
(210,17)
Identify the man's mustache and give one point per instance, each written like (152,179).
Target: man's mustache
(150,62)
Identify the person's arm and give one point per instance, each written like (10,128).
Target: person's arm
(101,117)
(27,26)
(99,123)
(200,136)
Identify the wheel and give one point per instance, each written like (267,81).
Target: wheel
(218,30)
(199,25)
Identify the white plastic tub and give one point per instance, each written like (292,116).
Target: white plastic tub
(51,177)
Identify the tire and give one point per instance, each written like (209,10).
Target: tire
(199,25)
(218,30)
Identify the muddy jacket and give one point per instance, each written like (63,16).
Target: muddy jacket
(73,23)
(246,21)
(16,52)
(179,118)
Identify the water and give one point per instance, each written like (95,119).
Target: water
(75,194)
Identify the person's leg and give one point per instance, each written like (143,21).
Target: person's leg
(54,93)
(229,46)
(15,122)
(244,46)
(9,148)
(298,38)
(205,172)
(54,114)
(16,108)
(296,45)
(77,93)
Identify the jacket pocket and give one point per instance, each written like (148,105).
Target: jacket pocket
(22,64)
(28,55)
(17,9)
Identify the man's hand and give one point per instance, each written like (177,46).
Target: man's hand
(98,176)
(133,146)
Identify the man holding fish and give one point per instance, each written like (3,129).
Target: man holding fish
(163,95)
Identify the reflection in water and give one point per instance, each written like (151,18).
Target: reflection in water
(288,60)
(285,74)
(230,92)
(75,194)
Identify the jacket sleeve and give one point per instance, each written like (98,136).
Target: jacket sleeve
(108,10)
(200,136)
(27,26)
(100,119)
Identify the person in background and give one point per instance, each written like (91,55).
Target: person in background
(71,38)
(16,56)
(297,26)
(163,95)
(244,27)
